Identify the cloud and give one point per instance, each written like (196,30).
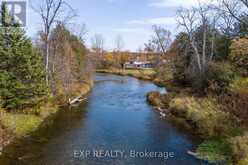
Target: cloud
(157,21)
(176,3)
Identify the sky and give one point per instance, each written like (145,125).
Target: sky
(131,19)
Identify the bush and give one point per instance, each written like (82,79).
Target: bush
(154,98)
(236,99)
(239,85)
(219,76)
(239,53)
(214,151)
(164,72)
(240,149)
(205,116)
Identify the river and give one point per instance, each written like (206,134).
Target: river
(114,127)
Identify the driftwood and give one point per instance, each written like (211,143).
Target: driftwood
(76,100)
(163,115)
(192,153)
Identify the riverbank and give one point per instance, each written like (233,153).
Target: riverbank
(115,115)
(161,80)
(224,136)
(15,125)
(144,74)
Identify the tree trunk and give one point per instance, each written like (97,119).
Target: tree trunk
(204,61)
(198,58)
(47,61)
(212,47)
(161,44)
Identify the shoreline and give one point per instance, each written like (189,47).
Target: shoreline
(218,146)
(15,126)
(146,74)
(223,137)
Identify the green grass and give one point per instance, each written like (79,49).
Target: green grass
(144,71)
(213,151)
(239,85)
(19,124)
(23,123)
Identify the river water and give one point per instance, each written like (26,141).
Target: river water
(114,127)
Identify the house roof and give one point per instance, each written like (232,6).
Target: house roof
(139,62)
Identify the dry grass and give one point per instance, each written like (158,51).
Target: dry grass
(239,146)
(205,115)
(146,74)
(154,98)
(75,91)
(215,126)
(235,100)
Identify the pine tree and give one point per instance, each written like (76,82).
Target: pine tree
(22,77)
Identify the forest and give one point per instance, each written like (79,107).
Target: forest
(37,76)
(207,82)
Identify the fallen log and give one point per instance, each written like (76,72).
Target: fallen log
(76,100)
(192,153)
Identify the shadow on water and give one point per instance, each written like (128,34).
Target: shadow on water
(116,117)
(29,149)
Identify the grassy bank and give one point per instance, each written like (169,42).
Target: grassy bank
(225,138)
(161,76)
(21,124)
(144,74)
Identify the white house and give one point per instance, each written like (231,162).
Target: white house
(138,65)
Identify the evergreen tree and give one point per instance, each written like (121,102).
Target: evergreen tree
(22,77)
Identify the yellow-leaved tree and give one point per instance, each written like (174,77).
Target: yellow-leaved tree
(239,53)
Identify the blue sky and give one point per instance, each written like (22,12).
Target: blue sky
(132,19)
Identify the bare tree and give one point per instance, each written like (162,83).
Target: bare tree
(121,56)
(214,18)
(51,12)
(187,18)
(97,44)
(162,38)
(203,13)
(205,18)
(149,47)
(81,32)
(119,43)
(208,21)
(226,24)
(236,8)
